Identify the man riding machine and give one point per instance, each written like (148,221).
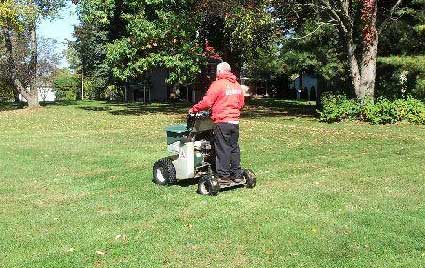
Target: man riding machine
(207,146)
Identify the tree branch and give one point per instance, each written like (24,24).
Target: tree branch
(344,24)
(392,11)
(310,33)
(17,85)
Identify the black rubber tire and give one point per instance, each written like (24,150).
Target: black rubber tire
(208,185)
(250,178)
(165,168)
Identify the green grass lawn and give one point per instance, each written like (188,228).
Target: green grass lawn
(76,191)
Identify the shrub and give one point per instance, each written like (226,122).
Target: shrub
(382,111)
(66,85)
(419,90)
(338,108)
(415,111)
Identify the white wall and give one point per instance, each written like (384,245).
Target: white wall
(308,81)
(44,94)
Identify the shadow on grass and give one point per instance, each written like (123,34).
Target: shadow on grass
(96,108)
(61,103)
(279,108)
(135,109)
(256,108)
(10,106)
(187,183)
(140,108)
(191,182)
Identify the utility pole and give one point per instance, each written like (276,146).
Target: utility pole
(82,83)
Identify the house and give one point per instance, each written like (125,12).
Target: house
(45,94)
(152,88)
(305,85)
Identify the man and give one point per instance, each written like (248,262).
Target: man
(225,98)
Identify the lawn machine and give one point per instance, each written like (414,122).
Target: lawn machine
(192,152)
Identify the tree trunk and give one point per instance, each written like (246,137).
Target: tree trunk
(33,101)
(363,70)
(16,97)
(370,49)
(354,68)
(368,74)
(31,97)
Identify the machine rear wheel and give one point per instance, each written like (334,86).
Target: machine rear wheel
(208,185)
(250,178)
(164,172)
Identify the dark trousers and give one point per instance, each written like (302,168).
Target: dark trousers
(228,155)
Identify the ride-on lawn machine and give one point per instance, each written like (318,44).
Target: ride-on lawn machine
(192,156)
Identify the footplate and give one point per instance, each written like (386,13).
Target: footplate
(232,184)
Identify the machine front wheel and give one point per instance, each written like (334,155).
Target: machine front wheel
(208,185)
(164,172)
(250,178)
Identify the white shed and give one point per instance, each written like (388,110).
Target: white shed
(45,93)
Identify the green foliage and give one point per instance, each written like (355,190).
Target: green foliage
(120,41)
(87,55)
(382,111)
(419,89)
(95,88)
(25,64)
(6,90)
(410,63)
(156,38)
(401,48)
(249,31)
(336,108)
(314,47)
(18,14)
(66,85)
(405,36)
(399,76)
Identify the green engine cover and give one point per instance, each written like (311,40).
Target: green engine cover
(175,133)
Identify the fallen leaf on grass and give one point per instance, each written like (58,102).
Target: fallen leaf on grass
(101,253)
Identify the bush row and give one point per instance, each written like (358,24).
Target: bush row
(382,111)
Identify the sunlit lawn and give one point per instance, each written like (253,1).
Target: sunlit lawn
(76,191)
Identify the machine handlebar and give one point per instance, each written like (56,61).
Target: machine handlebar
(192,117)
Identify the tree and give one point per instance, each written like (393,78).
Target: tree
(120,41)
(239,30)
(401,68)
(47,60)
(157,35)
(87,53)
(66,85)
(314,50)
(21,17)
(358,24)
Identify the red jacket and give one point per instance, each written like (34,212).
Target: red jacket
(225,98)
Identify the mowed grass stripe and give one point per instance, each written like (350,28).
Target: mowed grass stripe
(76,179)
